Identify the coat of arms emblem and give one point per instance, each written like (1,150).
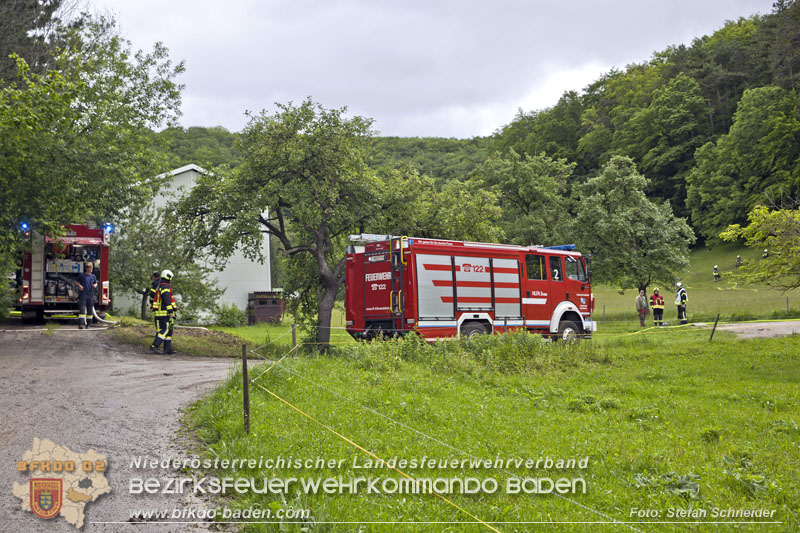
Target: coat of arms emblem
(46,497)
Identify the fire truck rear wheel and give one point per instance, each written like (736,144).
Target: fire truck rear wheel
(568,331)
(471,330)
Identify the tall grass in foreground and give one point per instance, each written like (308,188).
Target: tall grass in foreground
(667,420)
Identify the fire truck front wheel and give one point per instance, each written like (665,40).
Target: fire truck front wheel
(472,329)
(568,331)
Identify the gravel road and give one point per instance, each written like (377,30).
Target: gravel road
(749,330)
(84,390)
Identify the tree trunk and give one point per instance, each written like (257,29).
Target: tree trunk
(325,312)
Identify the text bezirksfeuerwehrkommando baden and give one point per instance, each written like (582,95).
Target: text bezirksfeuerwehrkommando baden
(355,485)
(387,484)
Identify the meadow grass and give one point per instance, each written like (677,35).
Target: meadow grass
(733,301)
(279,336)
(666,419)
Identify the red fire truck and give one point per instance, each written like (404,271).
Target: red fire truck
(46,279)
(459,289)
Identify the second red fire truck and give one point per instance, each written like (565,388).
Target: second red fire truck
(46,278)
(444,289)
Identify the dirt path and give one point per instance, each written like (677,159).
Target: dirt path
(83,390)
(751,330)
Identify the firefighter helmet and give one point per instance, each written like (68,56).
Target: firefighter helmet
(655,290)
(167,275)
(679,284)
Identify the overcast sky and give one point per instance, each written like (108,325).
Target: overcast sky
(419,68)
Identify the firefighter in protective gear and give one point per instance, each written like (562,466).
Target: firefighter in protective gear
(716,273)
(153,290)
(164,308)
(680,300)
(657,304)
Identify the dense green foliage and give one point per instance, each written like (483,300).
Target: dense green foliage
(777,232)
(756,162)
(305,181)
(532,191)
(633,239)
(732,94)
(207,147)
(148,241)
(412,204)
(441,159)
(32,30)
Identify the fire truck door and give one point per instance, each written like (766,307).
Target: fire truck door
(576,284)
(538,298)
(558,290)
(377,285)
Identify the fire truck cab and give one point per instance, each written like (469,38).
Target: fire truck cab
(46,278)
(444,289)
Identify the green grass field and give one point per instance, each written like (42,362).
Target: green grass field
(734,302)
(666,419)
(280,335)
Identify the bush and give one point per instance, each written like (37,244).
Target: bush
(6,302)
(510,353)
(228,315)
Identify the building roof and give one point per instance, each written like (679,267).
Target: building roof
(181,170)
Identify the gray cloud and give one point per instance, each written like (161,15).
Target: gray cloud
(435,68)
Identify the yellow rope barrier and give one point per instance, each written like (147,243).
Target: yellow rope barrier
(347,440)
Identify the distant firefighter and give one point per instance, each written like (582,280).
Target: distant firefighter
(681,299)
(716,273)
(657,305)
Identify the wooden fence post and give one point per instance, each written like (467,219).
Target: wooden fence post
(714,328)
(245,390)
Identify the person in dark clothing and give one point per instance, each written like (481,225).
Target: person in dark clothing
(86,283)
(164,307)
(153,289)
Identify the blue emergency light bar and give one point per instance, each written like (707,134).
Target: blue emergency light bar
(565,247)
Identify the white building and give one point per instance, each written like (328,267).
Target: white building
(240,276)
